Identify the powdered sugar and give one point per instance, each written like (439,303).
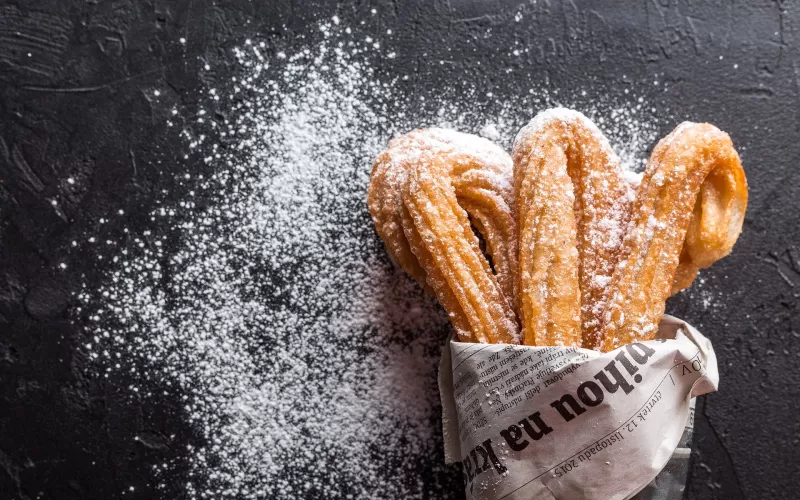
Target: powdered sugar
(490,132)
(306,362)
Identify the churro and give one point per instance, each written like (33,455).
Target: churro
(446,183)
(571,204)
(688,213)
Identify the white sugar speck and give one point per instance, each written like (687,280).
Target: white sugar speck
(490,132)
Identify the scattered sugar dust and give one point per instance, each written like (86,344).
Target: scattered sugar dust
(306,363)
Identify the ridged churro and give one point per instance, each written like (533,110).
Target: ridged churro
(572,205)
(688,213)
(449,182)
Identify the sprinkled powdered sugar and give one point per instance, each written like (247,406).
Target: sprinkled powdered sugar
(306,362)
(490,132)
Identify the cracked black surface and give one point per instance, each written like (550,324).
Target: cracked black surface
(75,81)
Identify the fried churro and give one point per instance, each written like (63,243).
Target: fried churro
(571,204)
(687,214)
(448,183)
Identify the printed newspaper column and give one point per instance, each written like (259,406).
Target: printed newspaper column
(569,423)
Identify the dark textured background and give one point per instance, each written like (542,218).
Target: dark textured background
(80,106)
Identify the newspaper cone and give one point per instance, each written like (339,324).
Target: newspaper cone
(568,423)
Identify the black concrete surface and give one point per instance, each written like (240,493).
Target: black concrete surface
(78,107)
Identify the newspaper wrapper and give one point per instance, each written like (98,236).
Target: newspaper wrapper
(569,423)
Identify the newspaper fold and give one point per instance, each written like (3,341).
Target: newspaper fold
(568,423)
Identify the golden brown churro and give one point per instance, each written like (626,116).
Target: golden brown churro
(692,202)
(572,204)
(445,178)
